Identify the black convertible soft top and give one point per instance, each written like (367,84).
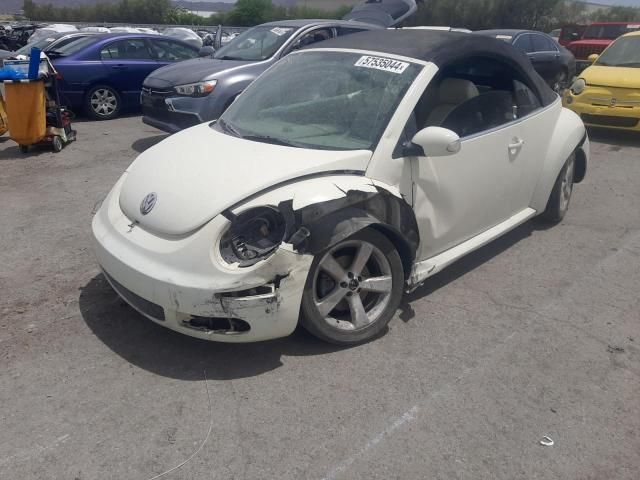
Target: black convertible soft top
(442,48)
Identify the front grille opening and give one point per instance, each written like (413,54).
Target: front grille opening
(611,121)
(251,292)
(227,326)
(143,305)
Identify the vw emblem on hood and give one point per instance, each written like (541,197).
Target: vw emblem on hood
(613,102)
(148,203)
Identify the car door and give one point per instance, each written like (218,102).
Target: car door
(459,196)
(128,62)
(545,57)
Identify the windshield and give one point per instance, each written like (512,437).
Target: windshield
(607,32)
(258,43)
(321,100)
(74,46)
(624,52)
(41,44)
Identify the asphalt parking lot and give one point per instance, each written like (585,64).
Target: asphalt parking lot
(536,334)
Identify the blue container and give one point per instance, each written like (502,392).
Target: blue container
(34,64)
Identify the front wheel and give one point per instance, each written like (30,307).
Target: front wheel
(353,289)
(56,144)
(558,202)
(102,103)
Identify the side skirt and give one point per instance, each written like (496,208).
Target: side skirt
(426,268)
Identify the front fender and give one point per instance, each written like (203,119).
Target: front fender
(324,210)
(568,135)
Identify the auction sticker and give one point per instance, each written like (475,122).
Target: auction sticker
(381,63)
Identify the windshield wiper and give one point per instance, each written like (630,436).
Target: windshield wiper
(269,139)
(629,64)
(227,127)
(228,57)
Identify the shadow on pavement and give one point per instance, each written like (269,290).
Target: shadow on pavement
(467,264)
(143,144)
(616,138)
(171,354)
(165,352)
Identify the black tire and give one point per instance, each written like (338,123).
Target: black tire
(102,102)
(560,197)
(340,325)
(24,148)
(56,144)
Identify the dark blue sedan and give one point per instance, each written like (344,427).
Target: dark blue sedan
(103,74)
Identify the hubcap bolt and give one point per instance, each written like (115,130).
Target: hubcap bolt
(359,279)
(349,294)
(350,274)
(343,284)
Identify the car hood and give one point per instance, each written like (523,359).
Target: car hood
(622,77)
(190,71)
(199,172)
(592,41)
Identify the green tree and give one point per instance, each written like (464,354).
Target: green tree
(247,13)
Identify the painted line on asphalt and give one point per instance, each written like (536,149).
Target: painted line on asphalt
(406,417)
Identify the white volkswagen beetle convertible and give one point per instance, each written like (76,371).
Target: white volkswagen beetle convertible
(345,175)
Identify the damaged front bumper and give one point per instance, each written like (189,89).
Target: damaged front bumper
(180,283)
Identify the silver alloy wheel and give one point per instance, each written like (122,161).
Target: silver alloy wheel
(352,285)
(566,187)
(104,102)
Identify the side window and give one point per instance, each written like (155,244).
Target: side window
(475,95)
(311,37)
(169,51)
(342,31)
(540,44)
(523,43)
(134,49)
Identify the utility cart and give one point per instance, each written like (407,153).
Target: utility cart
(34,113)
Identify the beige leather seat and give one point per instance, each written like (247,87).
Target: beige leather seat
(451,93)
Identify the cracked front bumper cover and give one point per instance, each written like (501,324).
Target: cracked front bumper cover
(177,282)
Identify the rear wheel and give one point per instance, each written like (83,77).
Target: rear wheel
(560,197)
(24,148)
(353,289)
(102,102)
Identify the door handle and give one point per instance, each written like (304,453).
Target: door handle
(119,67)
(515,145)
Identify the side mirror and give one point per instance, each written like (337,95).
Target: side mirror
(593,57)
(575,36)
(207,51)
(437,141)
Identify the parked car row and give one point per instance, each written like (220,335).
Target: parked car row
(607,94)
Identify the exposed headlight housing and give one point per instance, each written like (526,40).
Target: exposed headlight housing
(200,89)
(253,236)
(578,86)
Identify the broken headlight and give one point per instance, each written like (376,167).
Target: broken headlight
(252,236)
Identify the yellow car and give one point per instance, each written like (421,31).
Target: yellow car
(607,94)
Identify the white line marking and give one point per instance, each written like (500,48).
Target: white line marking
(407,417)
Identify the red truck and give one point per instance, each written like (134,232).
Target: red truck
(596,38)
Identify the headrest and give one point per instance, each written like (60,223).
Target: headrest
(456,90)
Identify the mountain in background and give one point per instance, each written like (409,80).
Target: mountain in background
(15,6)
